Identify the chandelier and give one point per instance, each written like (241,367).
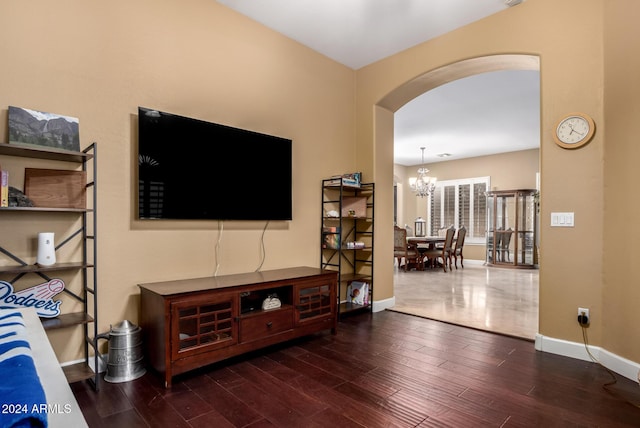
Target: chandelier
(422,185)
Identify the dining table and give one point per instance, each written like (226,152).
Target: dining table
(430,242)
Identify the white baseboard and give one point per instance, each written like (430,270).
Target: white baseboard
(102,367)
(616,363)
(474,261)
(381,305)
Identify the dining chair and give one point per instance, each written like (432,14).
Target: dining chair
(403,250)
(445,252)
(457,249)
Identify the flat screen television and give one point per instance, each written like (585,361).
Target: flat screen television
(190,169)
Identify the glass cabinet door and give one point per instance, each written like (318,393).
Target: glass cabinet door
(526,230)
(511,233)
(200,325)
(505,221)
(491,249)
(314,301)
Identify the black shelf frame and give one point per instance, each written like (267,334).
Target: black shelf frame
(348,262)
(87,232)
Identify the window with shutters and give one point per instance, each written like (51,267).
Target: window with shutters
(460,203)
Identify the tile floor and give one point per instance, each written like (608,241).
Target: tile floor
(495,299)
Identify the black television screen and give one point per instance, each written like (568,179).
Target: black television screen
(190,169)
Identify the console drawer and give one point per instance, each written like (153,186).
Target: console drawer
(263,324)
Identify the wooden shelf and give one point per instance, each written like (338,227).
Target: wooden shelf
(69,213)
(38,268)
(43,153)
(47,209)
(351,263)
(345,218)
(368,248)
(66,320)
(78,372)
(259,312)
(347,277)
(351,307)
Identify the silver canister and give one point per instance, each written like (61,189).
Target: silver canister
(125,357)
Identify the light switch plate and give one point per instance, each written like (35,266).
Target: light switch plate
(562,219)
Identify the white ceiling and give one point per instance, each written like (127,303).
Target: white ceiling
(359,32)
(479,115)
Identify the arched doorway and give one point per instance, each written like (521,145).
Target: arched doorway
(394,100)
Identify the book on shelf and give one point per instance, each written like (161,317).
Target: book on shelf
(331,229)
(358,292)
(4,188)
(355,245)
(331,240)
(349,180)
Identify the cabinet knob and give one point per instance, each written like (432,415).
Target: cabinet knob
(269,324)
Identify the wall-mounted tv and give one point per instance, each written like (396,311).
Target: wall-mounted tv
(190,169)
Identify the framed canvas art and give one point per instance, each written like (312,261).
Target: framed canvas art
(41,129)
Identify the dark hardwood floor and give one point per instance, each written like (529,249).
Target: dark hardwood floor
(382,370)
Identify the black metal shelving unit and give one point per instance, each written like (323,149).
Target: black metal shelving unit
(87,233)
(347,219)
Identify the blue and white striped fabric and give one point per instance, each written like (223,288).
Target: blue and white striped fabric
(21,394)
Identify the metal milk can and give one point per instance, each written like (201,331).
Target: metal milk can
(125,359)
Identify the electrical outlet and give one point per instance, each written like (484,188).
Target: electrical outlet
(583,316)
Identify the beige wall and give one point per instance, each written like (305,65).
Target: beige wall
(100,61)
(621,290)
(514,170)
(573,65)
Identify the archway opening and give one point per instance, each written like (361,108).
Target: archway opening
(433,79)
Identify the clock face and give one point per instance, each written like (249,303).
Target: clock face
(573,131)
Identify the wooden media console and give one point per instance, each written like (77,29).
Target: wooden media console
(191,323)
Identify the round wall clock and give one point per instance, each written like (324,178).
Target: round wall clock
(574,130)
